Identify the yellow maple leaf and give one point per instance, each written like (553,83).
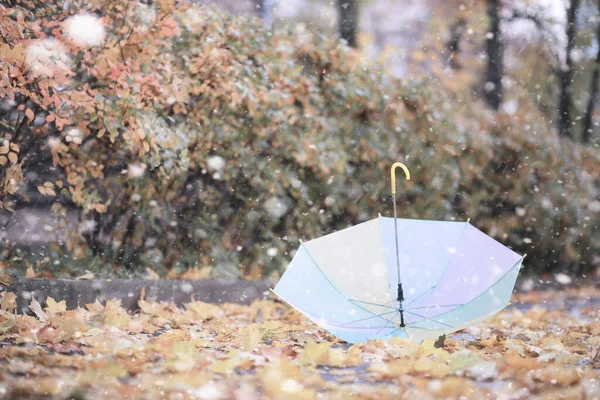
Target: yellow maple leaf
(52,307)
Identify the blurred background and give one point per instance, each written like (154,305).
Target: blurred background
(182,139)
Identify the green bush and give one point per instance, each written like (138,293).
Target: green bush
(191,138)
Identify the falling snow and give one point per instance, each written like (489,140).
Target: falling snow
(85,30)
(276,207)
(216,163)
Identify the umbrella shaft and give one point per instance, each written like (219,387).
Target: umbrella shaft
(400,290)
(396,237)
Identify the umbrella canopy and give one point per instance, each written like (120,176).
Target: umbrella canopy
(431,278)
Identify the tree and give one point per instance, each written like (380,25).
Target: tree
(566,74)
(348,20)
(495,57)
(587,120)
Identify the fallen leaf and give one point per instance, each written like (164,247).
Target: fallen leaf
(30,273)
(95,307)
(52,307)
(37,309)
(9,301)
(439,343)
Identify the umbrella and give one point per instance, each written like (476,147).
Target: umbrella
(390,277)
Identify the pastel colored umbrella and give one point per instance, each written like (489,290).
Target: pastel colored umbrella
(391,277)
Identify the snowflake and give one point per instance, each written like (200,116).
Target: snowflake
(276,207)
(216,163)
(85,30)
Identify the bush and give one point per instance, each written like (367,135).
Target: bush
(189,139)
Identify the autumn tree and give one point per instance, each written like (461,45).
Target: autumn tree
(565,73)
(587,128)
(495,56)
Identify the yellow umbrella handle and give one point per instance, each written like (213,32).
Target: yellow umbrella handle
(393,173)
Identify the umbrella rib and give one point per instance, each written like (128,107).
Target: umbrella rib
(387,324)
(441,305)
(430,319)
(461,326)
(380,315)
(394,331)
(358,327)
(421,295)
(375,304)
(373,316)
(426,329)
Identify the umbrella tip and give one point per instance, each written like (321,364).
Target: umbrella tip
(468,220)
(300,240)
(379,215)
(525,255)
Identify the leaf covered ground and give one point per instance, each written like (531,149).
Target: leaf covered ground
(544,346)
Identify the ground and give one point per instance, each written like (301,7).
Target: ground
(544,346)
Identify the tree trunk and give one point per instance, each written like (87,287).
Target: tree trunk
(348,20)
(456,33)
(266,11)
(495,57)
(587,120)
(566,75)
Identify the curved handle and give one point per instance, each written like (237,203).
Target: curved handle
(393,173)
